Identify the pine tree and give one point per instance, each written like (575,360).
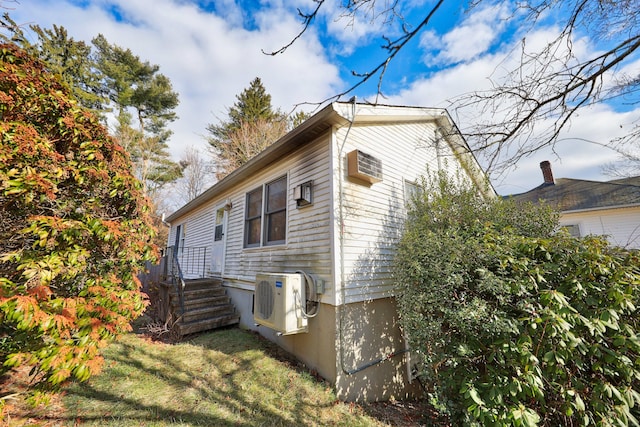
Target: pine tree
(252,126)
(137,90)
(71,60)
(252,104)
(113,78)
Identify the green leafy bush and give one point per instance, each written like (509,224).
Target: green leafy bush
(517,324)
(74,230)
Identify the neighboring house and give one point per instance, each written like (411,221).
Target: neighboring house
(327,203)
(610,208)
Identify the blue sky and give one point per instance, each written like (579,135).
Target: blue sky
(212,49)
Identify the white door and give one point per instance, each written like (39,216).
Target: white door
(219,239)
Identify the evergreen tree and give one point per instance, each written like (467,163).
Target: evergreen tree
(72,61)
(252,104)
(136,89)
(252,126)
(149,154)
(113,78)
(297,118)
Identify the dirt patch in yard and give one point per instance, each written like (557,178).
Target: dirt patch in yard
(414,413)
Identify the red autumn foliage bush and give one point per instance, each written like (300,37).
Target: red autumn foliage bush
(75,228)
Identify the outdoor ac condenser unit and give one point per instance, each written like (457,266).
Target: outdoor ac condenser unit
(279,302)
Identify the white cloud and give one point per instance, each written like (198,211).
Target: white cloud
(474,36)
(579,151)
(209,58)
(369,21)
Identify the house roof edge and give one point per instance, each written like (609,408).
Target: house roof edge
(324,118)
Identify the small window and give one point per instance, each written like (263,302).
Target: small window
(276,212)
(411,192)
(253,218)
(266,215)
(219,229)
(572,229)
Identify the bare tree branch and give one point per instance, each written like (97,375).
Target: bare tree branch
(530,106)
(197,175)
(539,96)
(307,20)
(249,139)
(393,47)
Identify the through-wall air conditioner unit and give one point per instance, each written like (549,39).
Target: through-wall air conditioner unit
(364,167)
(279,302)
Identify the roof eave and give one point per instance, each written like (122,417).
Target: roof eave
(315,125)
(341,114)
(601,208)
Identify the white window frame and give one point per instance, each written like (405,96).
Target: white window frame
(264,216)
(573,229)
(411,190)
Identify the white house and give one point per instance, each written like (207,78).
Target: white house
(609,208)
(321,209)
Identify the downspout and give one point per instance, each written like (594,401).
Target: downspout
(168,225)
(341,237)
(367,365)
(438,138)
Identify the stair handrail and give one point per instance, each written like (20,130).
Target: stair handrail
(178,281)
(193,260)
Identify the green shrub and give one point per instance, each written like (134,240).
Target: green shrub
(517,324)
(74,230)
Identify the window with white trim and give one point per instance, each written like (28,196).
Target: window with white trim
(572,229)
(411,192)
(219,227)
(265,221)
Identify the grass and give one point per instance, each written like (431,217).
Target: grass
(226,377)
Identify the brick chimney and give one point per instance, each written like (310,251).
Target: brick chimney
(547,174)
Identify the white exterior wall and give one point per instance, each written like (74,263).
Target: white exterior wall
(621,226)
(373,214)
(308,228)
(198,232)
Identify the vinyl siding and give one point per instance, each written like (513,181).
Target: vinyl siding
(357,254)
(621,226)
(374,214)
(307,245)
(199,233)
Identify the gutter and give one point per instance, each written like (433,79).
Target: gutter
(601,208)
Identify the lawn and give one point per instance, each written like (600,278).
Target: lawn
(226,377)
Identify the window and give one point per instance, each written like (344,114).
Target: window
(411,192)
(573,229)
(253,218)
(266,215)
(219,228)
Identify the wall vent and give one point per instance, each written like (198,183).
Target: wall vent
(364,167)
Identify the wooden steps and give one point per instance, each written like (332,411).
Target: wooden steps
(206,307)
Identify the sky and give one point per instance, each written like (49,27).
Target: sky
(212,49)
